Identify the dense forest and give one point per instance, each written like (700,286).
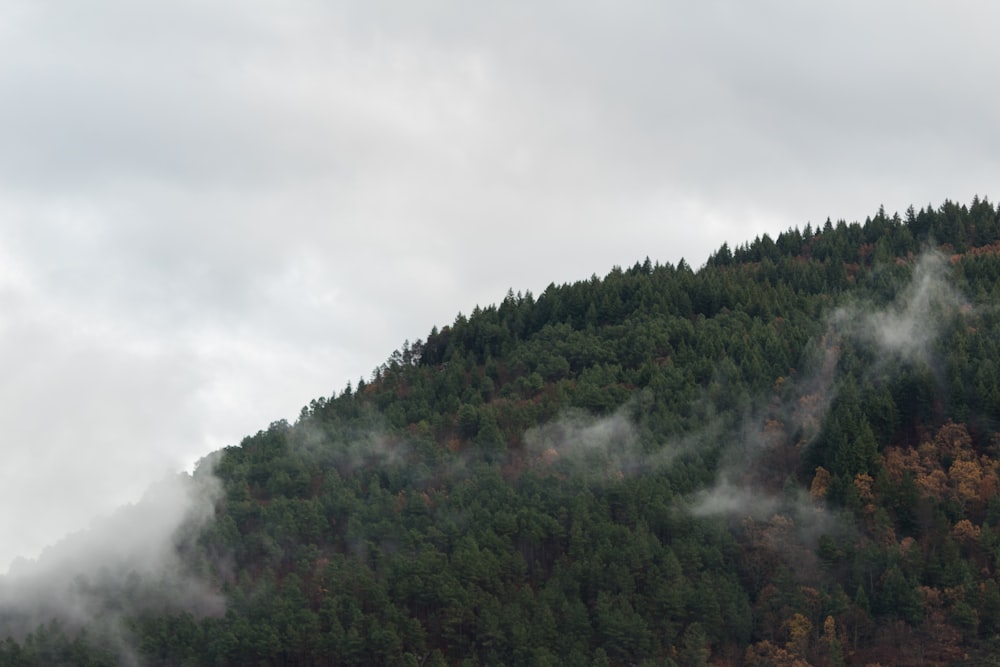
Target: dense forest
(790,456)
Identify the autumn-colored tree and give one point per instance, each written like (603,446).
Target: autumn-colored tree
(965,533)
(953,443)
(798,629)
(766,654)
(820,484)
(832,648)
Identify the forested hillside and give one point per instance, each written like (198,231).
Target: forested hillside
(786,457)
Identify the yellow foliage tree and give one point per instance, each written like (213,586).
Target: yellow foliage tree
(766,654)
(799,628)
(820,484)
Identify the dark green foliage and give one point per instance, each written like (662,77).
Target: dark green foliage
(539,482)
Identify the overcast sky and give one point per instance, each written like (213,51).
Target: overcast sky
(213,212)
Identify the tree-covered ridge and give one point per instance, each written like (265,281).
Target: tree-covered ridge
(786,457)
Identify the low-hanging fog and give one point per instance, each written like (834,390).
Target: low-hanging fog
(122,564)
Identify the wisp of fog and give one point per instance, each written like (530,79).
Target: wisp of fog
(122,564)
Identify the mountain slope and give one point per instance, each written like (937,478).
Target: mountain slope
(785,457)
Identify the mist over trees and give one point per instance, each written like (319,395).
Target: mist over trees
(786,457)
